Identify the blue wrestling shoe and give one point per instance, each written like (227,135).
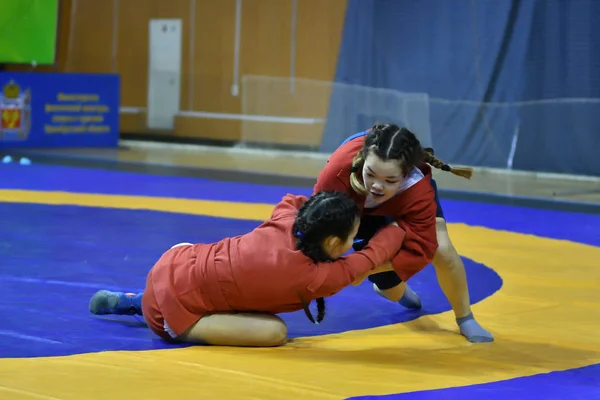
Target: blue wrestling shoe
(105,302)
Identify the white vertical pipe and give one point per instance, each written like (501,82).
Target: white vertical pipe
(293,46)
(235,89)
(191,72)
(115,35)
(71,36)
(513,148)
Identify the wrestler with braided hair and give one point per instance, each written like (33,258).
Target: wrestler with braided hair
(387,172)
(229,292)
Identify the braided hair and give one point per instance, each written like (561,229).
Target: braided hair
(325,214)
(390,142)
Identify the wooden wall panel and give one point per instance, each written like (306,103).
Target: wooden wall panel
(90,39)
(283,133)
(213,57)
(264,50)
(266,37)
(320,26)
(208,128)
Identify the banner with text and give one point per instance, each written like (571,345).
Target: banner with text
(59,110)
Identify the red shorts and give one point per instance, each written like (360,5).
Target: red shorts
(172,307)
(152,313)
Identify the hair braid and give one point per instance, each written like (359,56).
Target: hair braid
(325,214)
(357,166)
(320,310)
(430,159)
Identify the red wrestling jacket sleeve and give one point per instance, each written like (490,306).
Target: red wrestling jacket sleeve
(420,239)
(333,276)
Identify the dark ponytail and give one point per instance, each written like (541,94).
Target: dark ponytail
(325,214)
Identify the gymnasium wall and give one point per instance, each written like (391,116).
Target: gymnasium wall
(112,36)
(511,83)
(508,84)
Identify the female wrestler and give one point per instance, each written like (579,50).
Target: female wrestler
(385,170)
(227,293)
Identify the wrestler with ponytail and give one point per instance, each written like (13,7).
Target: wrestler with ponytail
(387,173)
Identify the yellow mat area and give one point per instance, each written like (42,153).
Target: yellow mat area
(544,318)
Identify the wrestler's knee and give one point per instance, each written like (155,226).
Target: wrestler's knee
(446,254)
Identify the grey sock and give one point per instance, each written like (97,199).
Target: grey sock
(474,332)
(410,299)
